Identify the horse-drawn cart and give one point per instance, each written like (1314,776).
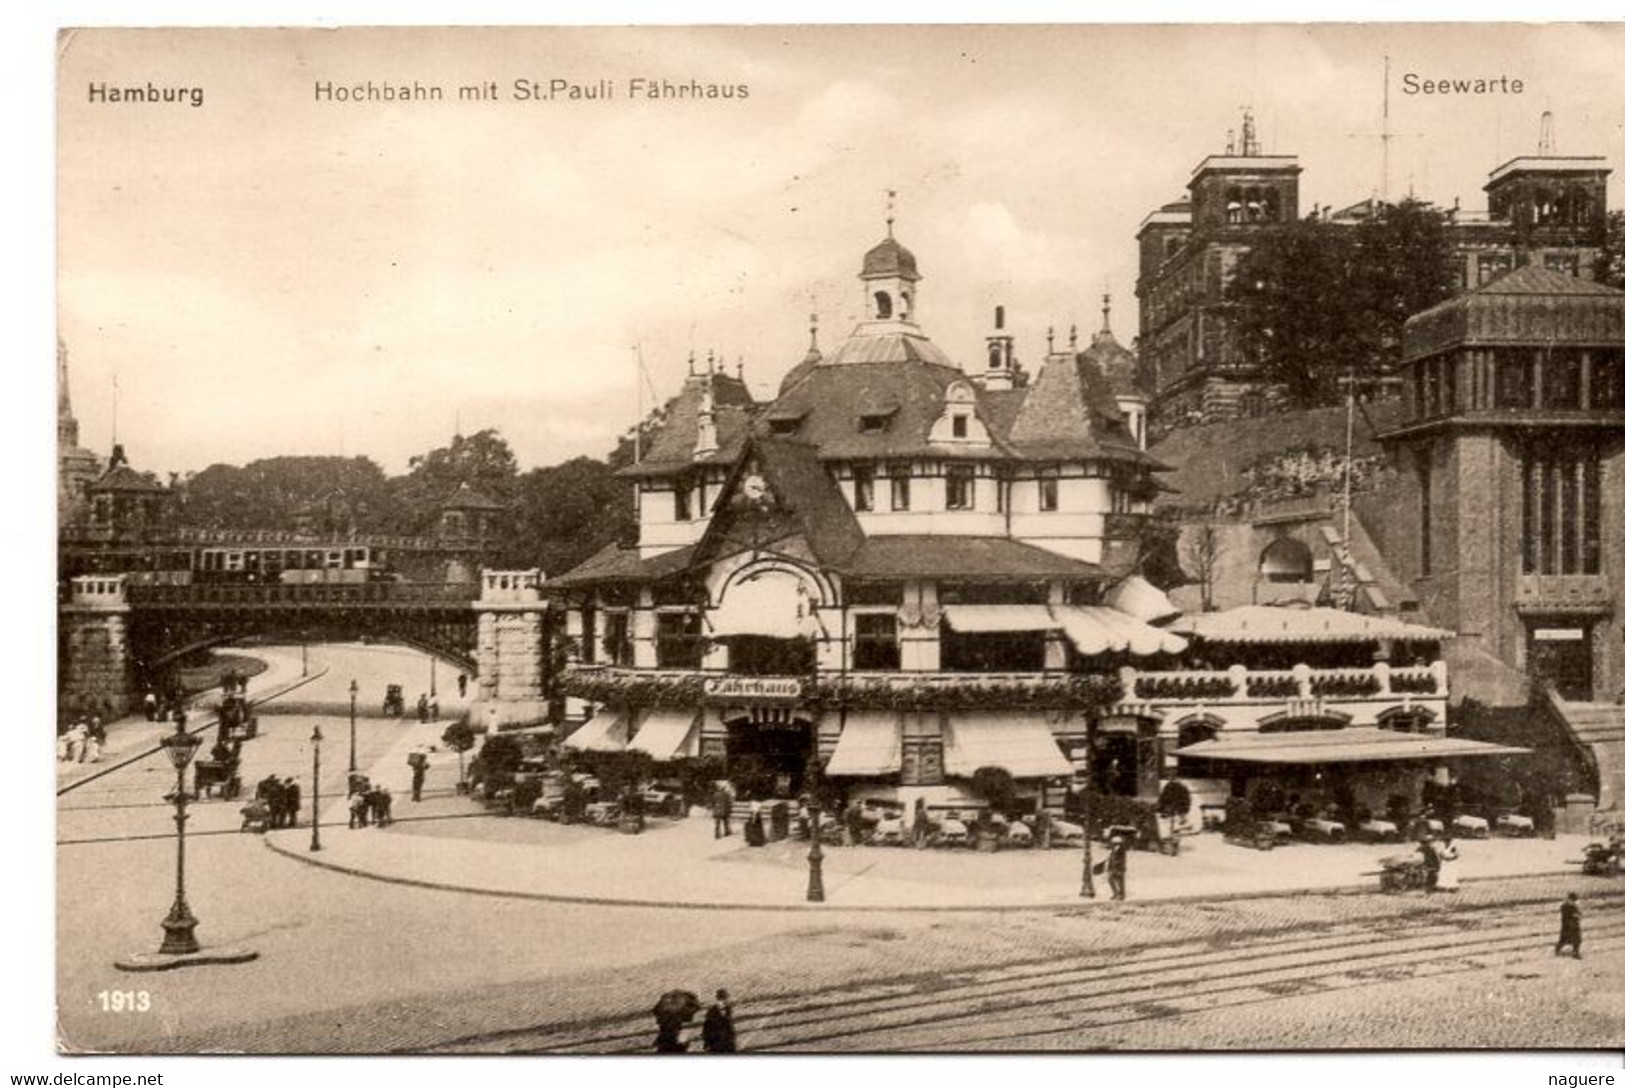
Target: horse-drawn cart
(217,778)
(1402,872)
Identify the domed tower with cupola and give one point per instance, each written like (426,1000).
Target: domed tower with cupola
(890,279)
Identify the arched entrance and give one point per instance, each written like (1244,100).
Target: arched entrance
(769,749)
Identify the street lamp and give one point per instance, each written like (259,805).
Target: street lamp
(316,790)
(304,656)
(431,676)
(353,690)
(815,856)
(1087,889)
(179,938)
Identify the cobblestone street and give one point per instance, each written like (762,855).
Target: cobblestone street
(349,964)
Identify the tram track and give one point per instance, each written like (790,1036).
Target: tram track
(1026,1003)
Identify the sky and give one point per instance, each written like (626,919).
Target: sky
(272,274)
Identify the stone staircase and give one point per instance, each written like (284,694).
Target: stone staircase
(1599,730)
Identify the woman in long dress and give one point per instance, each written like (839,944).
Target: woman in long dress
(1449,880)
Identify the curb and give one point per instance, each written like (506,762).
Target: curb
(826,908)
(209,724)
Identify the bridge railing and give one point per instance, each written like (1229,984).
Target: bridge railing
(318,593)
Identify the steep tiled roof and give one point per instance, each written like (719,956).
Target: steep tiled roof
(888,347)
(671,448)
(1117,364)
(831,399)
(1069,411)
(124,478)
(961,557)
(800,479)
(613,563)
(466,498)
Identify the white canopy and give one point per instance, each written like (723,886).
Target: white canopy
(870,744)
(1021,744)
(1358,745)
(1141,600)
(773,604)
(1096,629)
(604,732)
(666,734)
(1272,623)
(980,618)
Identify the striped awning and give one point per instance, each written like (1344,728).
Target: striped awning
(1359,745)
(1021,744)
(667,734)
(605,731)
(870,743)
(1096,629)
(992,618)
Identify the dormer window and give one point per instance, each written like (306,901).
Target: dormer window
(785,421)
(875,414)
(961,425)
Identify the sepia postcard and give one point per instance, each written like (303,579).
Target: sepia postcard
(840,539)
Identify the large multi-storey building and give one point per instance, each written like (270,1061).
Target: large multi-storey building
(1544,210)
(1512,456)
(907,572)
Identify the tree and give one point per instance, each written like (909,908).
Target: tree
(342,493)
(1200,551)
(1315,300)
(482,460)
(459,737)
(564,513)
(1610,267)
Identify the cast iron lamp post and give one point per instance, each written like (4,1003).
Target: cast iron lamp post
(815,856)
(316,789)
(353,690)
(179,938)
(1087,889)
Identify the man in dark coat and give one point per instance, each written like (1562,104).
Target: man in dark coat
(1430,861)
(1569,926)
(462,684)
(1116,864)
(420,769)
(290,802)
(722,810)
(717,1032)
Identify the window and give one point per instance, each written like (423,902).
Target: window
(1287,560)
(682,496)
(1561,378)
(882,305)
(874,641)
(922,751)
(898,472)
(1608,380)
(1049,490)
(863,488)
(961,426)
(618,638)
(961,487)
(1562,523)
(1514,379)
(1566,263)
(678,641)
(873,422)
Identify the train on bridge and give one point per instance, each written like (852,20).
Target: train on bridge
(258,565)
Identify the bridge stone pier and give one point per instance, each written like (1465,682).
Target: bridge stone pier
(98,676)
(510,649)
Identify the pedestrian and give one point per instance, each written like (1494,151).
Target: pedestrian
(383,803)
(149,703)
(854,823)
(717,1031)
(1568,932)
(434,710)
(423,708)
(290,801)
(462,685)
(1116,866)
(92,749)
(1448,880)
(358,810)
(722,810)
(672,1013)
(419,762)
(62,746)
(1430,861)
(97,731)
(76,742)
(921,828)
